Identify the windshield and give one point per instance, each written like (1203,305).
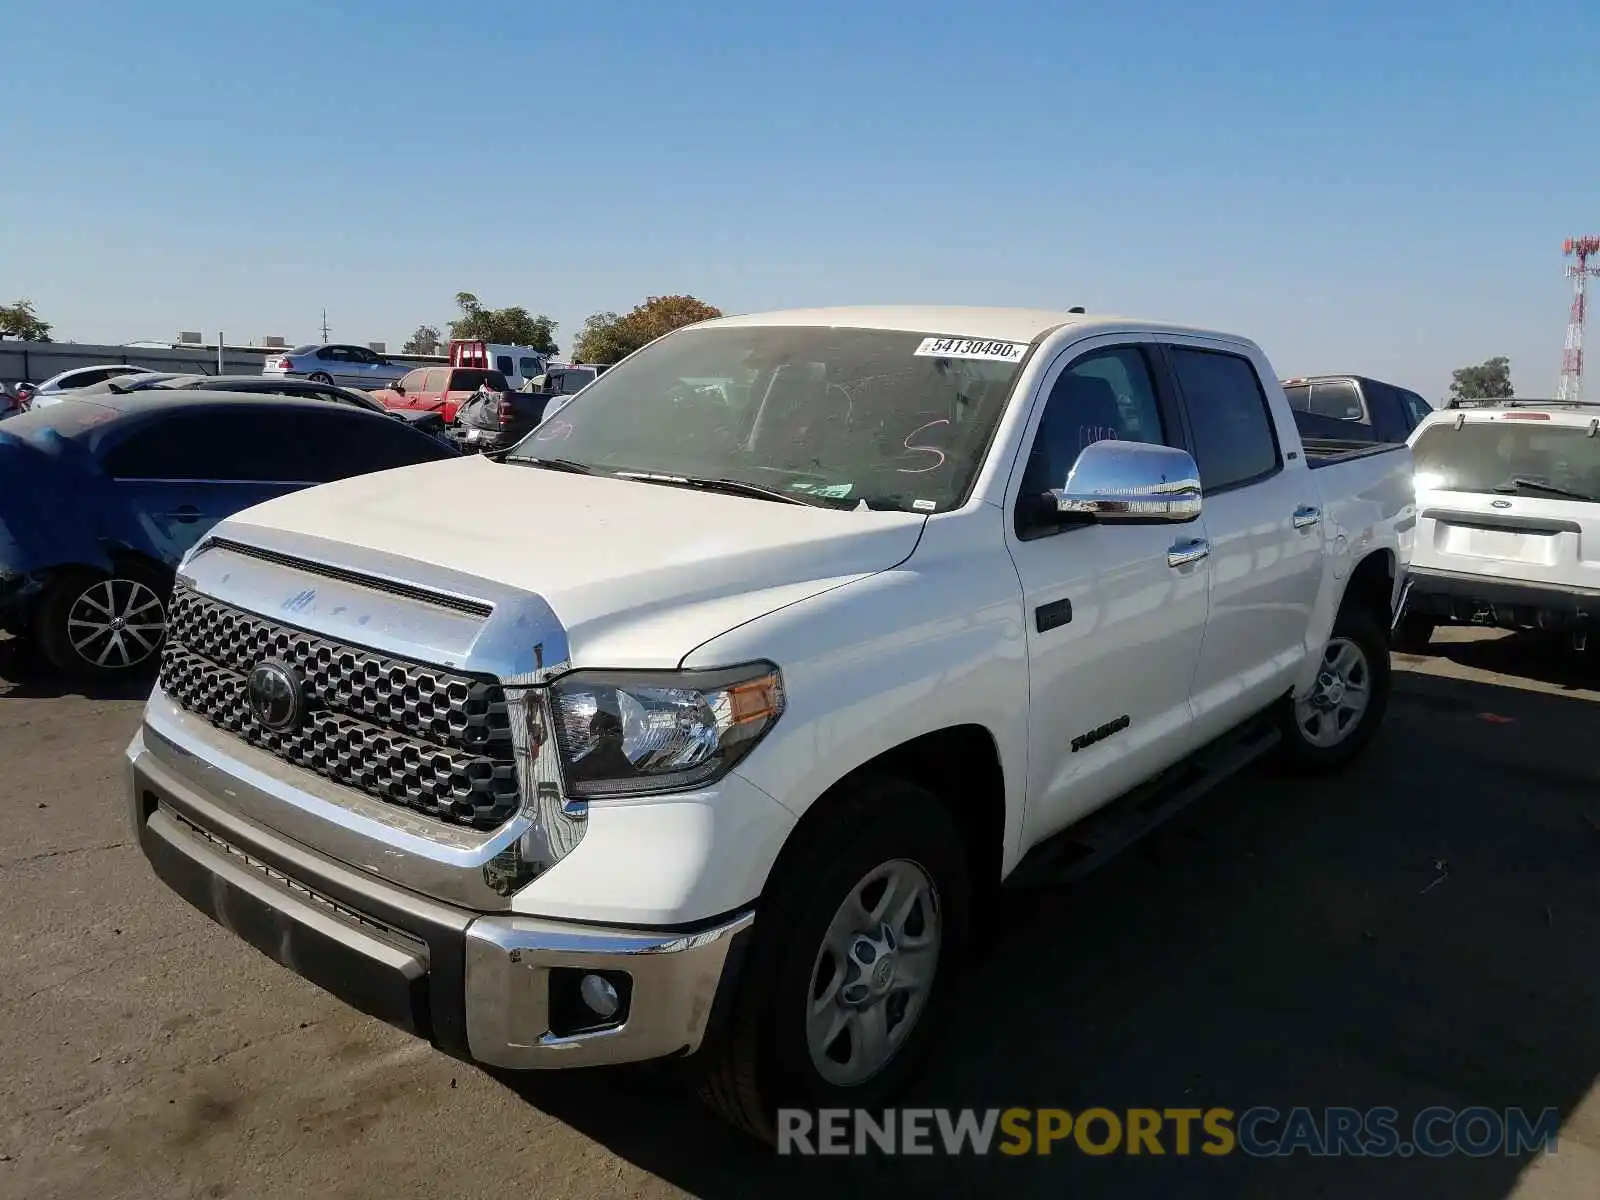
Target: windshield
(1489,456)
(894,419)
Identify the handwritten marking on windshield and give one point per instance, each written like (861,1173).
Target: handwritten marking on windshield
(552,431)
(924,449)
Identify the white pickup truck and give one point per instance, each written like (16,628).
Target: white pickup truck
(791,639)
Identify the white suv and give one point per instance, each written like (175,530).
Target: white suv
(1508,528)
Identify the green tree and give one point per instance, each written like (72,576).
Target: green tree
(20,321)
(1489,380)
(606,337)
(425,340)
(512,326)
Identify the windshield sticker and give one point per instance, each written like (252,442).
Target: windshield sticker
(945,347)
(832,491)
(924,505)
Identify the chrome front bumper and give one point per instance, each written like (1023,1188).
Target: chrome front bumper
(495,989)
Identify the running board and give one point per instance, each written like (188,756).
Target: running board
(1091,842)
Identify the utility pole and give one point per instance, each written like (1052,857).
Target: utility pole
(324,326)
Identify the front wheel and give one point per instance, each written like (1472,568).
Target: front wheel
(858,939)
(96,626)
(1324,730)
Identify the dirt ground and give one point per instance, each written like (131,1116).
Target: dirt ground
(1420,931)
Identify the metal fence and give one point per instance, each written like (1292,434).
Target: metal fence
(34,362)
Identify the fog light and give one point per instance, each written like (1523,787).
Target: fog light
(588,1001)
(600,995)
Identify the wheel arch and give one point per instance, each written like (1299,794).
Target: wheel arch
(1371,584)
(959,765)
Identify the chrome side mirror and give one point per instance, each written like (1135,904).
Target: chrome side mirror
(1131,483)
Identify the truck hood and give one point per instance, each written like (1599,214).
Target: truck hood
(638,574)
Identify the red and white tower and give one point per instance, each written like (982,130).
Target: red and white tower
(1572,356)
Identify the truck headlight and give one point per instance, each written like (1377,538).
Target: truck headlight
(637,732)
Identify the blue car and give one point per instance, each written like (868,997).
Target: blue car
(101,497)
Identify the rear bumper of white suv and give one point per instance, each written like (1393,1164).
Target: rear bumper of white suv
(498,989)
(1502,603)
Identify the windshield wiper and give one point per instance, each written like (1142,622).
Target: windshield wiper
(1518,482)
(727,487)
(551,464)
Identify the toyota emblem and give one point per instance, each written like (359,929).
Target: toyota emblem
(276,698)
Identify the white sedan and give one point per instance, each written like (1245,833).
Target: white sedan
(61,386)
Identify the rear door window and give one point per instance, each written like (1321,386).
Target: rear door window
(347,443)
(1234,441)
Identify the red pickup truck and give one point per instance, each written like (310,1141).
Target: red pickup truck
(440,389)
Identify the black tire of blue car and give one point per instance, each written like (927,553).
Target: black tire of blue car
(320,377)
(92,625)
(1316,736)
(882,842)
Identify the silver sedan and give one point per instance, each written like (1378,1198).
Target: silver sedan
(351,366)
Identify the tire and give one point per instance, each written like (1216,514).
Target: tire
(320,377)
(79,599)
(762,1059)
(1357,650)
(1414,633)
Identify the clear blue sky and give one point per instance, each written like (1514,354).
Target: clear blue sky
(1377,187)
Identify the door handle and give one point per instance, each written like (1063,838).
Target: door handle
(1306,515)
(185,514)
(1053,615)
(1184,553)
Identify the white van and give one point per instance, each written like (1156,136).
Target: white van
(517,363)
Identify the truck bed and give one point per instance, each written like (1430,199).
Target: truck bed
(1323,452)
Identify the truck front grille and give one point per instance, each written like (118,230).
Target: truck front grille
(414,735)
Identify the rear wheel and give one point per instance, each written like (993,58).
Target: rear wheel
(1333,723)
(320,377)
(858,941)
(96,625)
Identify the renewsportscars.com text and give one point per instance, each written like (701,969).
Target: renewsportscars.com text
(1259,1132)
